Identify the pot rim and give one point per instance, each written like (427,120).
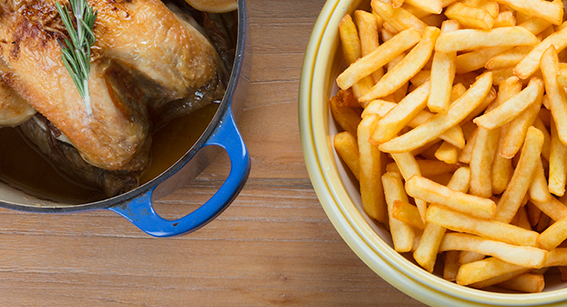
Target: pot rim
(223,107)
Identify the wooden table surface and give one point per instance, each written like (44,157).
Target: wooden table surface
(273,246)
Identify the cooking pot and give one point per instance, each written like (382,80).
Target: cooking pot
(136,205)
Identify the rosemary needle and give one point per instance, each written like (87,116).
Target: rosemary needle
(76,52)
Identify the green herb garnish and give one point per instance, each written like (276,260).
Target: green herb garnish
(76,52)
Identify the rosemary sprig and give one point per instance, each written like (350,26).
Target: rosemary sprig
(76,52)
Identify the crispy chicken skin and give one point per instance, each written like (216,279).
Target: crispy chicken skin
(14,110)
(140,34)
(146,35)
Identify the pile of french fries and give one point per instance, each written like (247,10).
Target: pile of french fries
(455,126)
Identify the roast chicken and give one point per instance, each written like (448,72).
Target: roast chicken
(148,65)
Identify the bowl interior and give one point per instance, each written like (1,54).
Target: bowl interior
(338,191)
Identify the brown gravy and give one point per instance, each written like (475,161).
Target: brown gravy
(23,168)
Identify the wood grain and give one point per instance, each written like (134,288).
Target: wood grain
(273,246)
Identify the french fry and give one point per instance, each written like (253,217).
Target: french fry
(408,214)
(510,109)
(508,58)
(553,235)
(457,91)
(367,25)
(470,39)
(426,252)
(427,168)
(409,167)
(402,91)
(439,123)
(534,24)
(505,19)
(552,208)
(399,18)
(407,68)
(488,100)
(546,151)
(421,77)
(562,77)
(517,129)
(531,62)
(451,265)
(389,28)
(415,11)
(442,75)
(397,3)
(470,17)
(557,167)
(494,230)
(377,107)
(380,107)
(502,167)
(489,6)
(557,257)
(430,6)
(547,32)
(468,257)
(486,269)
(346,146)
(402,234)
(423,188)
(501,74)
(378,58)
(387,32)
(538,190)
(427,151)
(551,11)
(400,115)
(347,99)
(482,156)
(476,59)
(466,79)
(350,43)
(447,153)
(346,117)
(526,256)
(555,93)
(370,172)
(527,282)
(520,182)
(349,38)
(466,154)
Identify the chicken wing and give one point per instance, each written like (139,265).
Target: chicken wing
(146,35)
(14,110)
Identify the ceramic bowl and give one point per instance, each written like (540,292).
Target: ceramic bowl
(338,191)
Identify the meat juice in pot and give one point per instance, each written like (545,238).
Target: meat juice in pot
(22,167)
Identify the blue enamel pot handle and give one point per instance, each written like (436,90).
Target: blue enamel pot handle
(140,210)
